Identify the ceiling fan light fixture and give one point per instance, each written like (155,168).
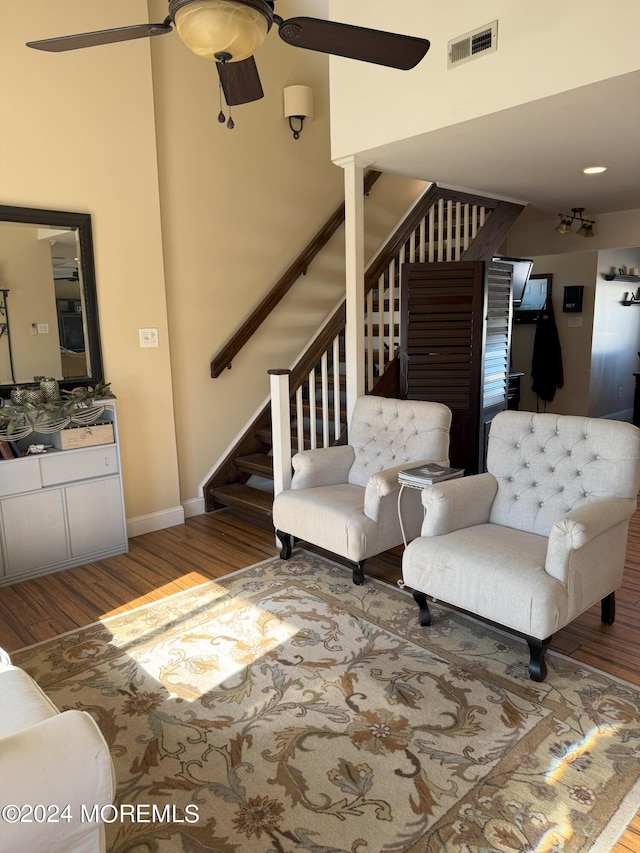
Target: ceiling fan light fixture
(236,28)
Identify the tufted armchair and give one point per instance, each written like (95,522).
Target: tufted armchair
(540,537)
(345,498)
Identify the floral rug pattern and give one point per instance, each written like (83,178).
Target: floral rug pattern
(284,709)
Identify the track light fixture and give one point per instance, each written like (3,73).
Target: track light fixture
(567,220)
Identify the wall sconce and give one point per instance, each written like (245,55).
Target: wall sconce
(567,220)
(298,105)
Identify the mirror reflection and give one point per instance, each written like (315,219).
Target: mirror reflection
(48,313)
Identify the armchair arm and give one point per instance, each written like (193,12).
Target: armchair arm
(460,503)
(324,466)
(385,483)
(62,761)
(579,527)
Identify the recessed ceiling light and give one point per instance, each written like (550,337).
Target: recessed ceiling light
(595,170)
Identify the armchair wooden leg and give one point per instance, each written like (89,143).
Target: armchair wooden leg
(421,600)
(358,573)
(285,538)
(608,609)
(537,665)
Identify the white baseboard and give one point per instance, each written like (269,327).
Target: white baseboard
(194,506)
(155,521)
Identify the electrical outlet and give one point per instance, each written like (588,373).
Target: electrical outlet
(43,328)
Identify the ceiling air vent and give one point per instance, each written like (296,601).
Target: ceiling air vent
(473,44)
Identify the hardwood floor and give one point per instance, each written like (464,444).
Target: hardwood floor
(215,544)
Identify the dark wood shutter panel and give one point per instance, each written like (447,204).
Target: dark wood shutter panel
(454,346)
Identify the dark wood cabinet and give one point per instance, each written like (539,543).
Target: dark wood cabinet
(455,340)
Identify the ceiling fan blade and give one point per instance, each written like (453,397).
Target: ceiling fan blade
(79,40)
(377,46)
(240,81)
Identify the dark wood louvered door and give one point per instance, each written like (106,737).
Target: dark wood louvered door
(454,343)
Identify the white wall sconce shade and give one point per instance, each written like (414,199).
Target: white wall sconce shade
(298,106)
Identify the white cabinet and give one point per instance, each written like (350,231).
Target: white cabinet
(61,509)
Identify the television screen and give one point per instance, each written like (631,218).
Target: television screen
(521,271)
(535,295)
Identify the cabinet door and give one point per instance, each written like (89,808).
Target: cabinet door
(34,531)
(96,521)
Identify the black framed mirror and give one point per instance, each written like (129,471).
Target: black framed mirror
(48,302)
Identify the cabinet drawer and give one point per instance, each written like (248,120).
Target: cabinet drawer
(19,475)
(70,465)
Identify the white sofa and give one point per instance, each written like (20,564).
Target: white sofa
(51,765)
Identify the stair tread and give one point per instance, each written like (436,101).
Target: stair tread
(244,497)
(258,463)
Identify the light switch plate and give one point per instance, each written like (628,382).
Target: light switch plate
(148,337)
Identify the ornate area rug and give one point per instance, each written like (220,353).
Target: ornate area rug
(283,709)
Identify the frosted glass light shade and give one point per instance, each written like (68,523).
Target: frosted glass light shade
(208,27)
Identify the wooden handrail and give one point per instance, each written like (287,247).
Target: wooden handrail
(496,226)
(225,356)
(391,248)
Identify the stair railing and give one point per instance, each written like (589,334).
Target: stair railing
(440,227)
(224,357)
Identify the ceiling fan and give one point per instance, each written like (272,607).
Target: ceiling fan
(230,31)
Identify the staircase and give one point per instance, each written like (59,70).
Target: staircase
(442,226)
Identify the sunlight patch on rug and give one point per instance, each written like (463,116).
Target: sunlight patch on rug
(300,712)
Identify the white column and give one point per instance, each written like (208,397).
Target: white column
(354,257)
(280,430)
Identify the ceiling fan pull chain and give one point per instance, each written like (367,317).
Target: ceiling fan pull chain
(223,58)
(221,116)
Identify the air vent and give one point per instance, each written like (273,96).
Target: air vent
(473,44)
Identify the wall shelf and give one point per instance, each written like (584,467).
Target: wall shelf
(634,279)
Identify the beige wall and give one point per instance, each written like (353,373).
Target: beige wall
(237,207)
(542,51)
(79,135)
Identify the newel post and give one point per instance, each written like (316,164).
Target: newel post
(280,429)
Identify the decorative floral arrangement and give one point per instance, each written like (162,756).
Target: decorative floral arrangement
(76,406)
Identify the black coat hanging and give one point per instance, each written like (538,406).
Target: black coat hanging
(546,365)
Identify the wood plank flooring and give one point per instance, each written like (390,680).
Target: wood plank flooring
(215,544)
